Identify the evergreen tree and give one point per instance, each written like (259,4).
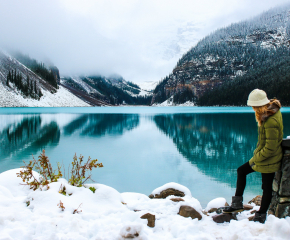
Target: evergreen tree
(15,78)
(12,80)
(28,83)
(8,79)
(35,90)
(20,85)
(38,68)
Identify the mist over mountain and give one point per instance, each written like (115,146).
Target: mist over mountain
(235,59)
(26,82)
(245,55)
(140,40)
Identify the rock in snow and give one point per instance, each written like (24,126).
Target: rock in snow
(27,214)
(151,219)
(170,189)
(187,211)
(256,200)
(224,217)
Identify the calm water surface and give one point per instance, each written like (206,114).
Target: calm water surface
(141,148)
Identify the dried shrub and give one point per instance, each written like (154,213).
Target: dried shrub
(77,210)
(62,190)
(61,206)
(79,169)
(47,174)
(43,167)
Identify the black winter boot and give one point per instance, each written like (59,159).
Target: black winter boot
(260,217)
(236,206)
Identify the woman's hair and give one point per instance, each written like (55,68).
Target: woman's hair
(260,112)
(264,111)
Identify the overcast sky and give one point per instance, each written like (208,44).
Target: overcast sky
(139,39)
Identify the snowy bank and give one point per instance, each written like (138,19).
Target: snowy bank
(108,214)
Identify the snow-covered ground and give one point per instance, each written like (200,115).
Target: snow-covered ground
(108,214)
(80,82)
(147,85)
(169,103)
(62,98)
(141,93)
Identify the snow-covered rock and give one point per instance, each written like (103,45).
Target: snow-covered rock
(172,185)
(216,203)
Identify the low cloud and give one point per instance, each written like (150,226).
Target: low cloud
(140,40)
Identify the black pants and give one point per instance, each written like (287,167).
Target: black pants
(267,181)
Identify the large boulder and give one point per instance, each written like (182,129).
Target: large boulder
(283,210)
(187,211)
(285,178)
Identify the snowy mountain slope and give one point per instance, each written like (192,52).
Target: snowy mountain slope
(11,96)
(121,83)
(113,90)
(9,63)
(79,83)
(228,53)
(148,85)
(62,98)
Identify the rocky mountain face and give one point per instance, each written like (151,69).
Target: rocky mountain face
(227,54)
(112,90)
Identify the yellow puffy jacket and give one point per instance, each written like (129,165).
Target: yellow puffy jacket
(268,154)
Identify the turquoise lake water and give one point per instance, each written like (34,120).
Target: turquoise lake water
(141,148)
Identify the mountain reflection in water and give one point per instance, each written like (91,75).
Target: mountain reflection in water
(29,136)
(102,124)
(216,143)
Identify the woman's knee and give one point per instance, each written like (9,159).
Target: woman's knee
(245,169)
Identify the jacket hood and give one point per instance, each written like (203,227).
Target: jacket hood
(274,106)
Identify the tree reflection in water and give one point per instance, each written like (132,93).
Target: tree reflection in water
(28,136)
(216,143)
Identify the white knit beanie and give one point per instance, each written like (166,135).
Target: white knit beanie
(257,98)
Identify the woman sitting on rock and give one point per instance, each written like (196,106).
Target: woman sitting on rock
(267,155)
